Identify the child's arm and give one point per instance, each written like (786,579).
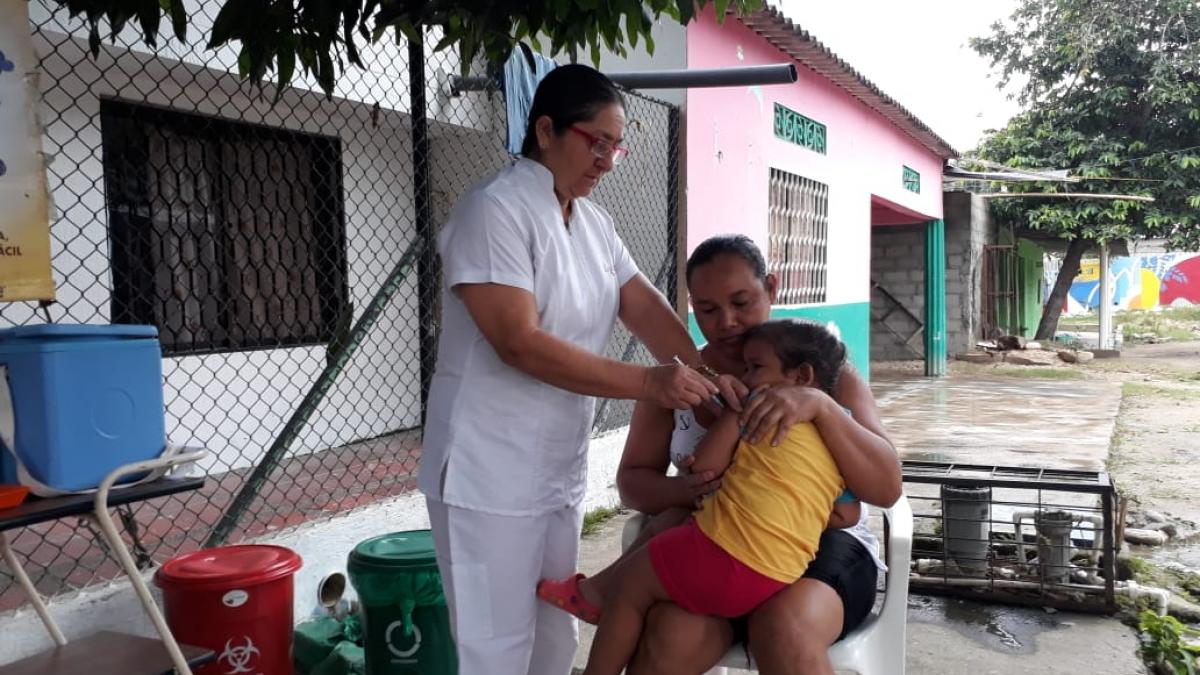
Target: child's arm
(845,514)
(715,450)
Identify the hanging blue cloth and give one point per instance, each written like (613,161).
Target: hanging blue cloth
(522,73)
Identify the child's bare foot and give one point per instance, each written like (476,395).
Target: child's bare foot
(567,595)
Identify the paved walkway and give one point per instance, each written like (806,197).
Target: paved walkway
(1062,424)
(1002,421)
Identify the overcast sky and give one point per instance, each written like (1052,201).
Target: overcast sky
(917,53)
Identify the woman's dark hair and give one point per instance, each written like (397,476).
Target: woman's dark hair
(728,244)
(569,94)
(797,342)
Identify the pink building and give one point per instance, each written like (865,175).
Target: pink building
(806,169)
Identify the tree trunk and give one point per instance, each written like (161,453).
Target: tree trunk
(1062,285)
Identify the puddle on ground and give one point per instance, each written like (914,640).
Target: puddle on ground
(1012,630)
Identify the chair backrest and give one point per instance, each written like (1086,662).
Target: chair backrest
(899,552)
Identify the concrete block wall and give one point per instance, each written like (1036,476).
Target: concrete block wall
(968,229)
(897,265)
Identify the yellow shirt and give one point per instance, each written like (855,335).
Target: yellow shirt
(774,502)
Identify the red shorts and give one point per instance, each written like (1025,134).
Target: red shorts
(702,578)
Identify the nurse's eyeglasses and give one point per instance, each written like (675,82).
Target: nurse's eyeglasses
(603,149)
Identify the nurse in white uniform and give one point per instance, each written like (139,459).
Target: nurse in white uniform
(535,278)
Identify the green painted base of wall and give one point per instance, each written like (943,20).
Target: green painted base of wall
(852,322)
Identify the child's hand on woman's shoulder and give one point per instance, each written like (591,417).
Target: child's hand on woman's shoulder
(780,408)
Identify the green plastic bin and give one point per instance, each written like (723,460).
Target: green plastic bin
(406,624)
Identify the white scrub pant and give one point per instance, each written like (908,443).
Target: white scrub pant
(490,566)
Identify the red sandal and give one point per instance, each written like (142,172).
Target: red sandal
(565,595)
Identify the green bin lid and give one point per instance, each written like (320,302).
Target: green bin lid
(398,550)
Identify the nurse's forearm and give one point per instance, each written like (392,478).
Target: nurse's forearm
(554,361)
(508,319)
(648,315)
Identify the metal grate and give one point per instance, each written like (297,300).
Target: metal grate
(227,236)
(1037,536)
(999,278)
(798,230)
(281,246)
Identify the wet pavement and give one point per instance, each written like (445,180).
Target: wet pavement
(950,636)
(1063,424)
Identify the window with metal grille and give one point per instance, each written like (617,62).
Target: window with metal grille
(226,235)
(798,230)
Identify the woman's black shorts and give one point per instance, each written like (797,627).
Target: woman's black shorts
(846,566)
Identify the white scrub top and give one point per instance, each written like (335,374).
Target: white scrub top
(496,439)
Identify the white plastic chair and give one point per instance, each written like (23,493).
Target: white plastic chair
(877,647)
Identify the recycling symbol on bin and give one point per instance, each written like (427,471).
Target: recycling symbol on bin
(402,653)
(238,657)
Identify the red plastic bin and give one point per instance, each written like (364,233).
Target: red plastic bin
(236,601)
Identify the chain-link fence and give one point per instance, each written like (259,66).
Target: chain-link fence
(279,246)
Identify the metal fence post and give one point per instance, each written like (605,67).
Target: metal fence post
(428,272)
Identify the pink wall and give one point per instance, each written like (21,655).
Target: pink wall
(731,148)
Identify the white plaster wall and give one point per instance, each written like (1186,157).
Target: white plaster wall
(323,545)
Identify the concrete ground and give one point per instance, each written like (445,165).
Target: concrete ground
(993,421)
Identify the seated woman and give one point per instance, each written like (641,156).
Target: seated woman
(790,633)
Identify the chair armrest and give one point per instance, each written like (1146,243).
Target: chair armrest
(633,527)
(899,553)
(166,462)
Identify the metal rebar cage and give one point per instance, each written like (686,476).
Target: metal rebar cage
(1037,536)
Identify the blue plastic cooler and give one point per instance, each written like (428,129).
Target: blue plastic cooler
(86,398)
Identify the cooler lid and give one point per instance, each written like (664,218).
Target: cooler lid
(59,331)
(228,566)
(396,550)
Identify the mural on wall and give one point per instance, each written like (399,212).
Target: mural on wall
(1138,282)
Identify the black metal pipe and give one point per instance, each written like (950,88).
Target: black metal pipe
(428,272)
(779,73)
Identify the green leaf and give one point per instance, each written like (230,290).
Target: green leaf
(179,20)
(686,10)
(230,19)
(632,28)
(94,40)
(325,73)
(244,62)
(287,68)
(721,7)
(149,16)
